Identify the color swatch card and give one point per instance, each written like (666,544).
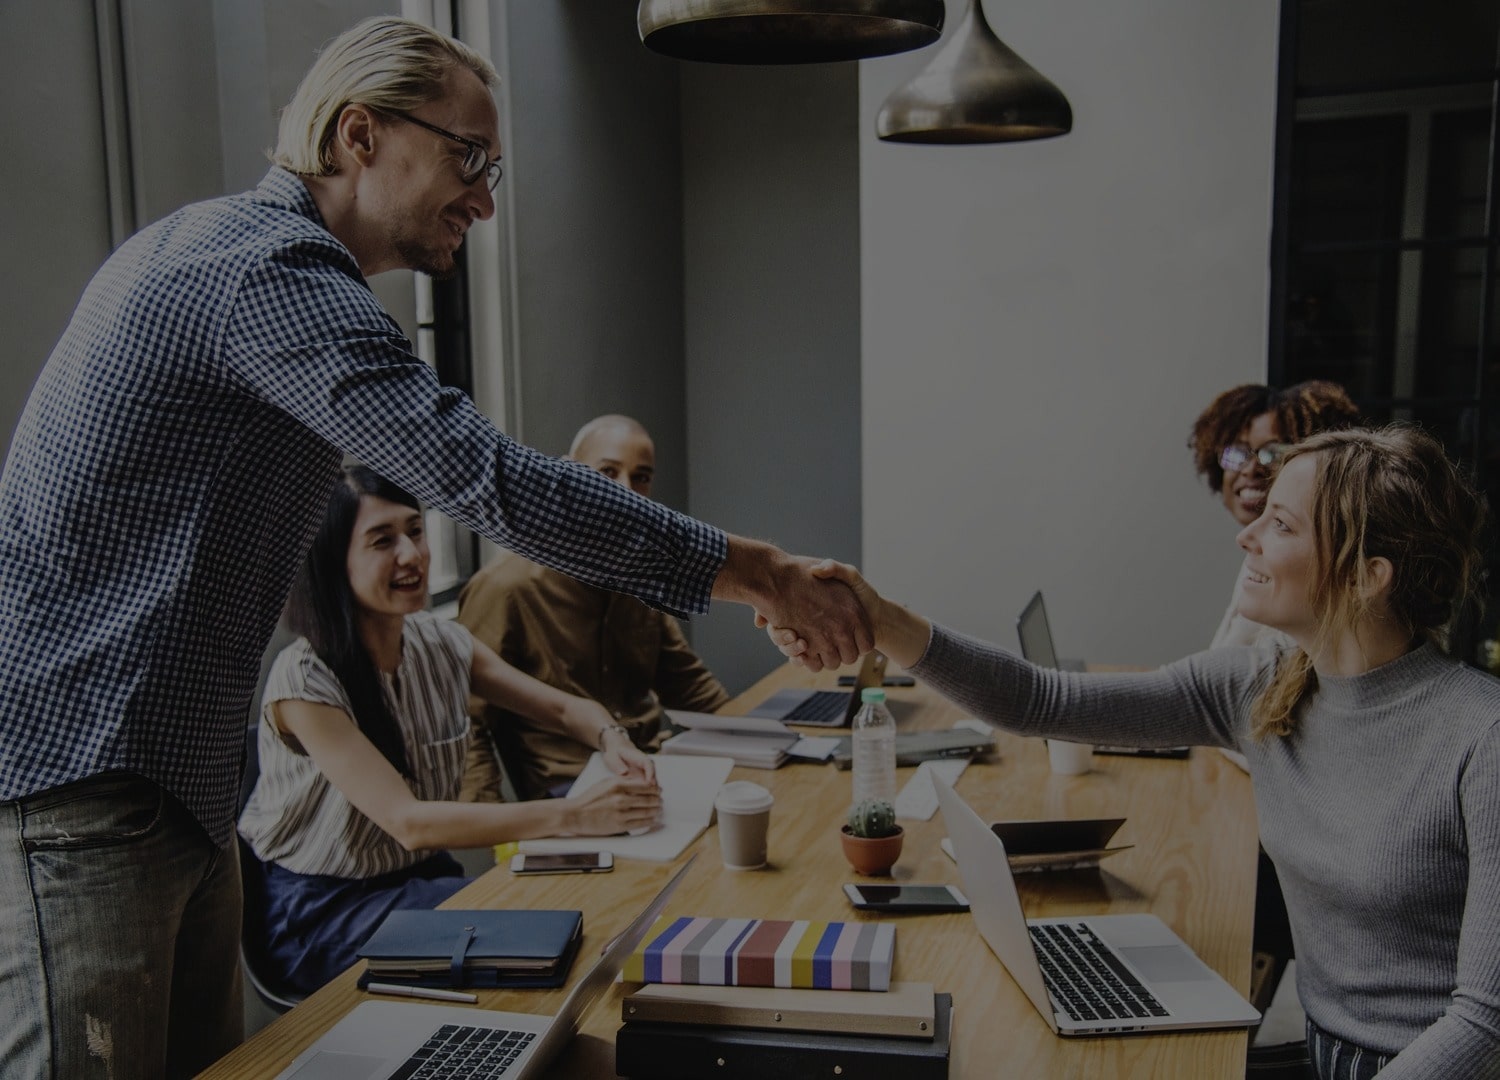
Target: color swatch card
(766,952)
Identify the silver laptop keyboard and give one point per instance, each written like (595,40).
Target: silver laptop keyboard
(822,707)
(459,1051)
(1086,980)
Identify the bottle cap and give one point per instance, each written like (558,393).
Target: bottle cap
(872,693)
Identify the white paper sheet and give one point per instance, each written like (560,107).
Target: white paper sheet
(814,747)
(688,788)
(917,801)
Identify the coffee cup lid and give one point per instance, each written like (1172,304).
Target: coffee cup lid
(743,797)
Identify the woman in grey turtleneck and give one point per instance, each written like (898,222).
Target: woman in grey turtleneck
(1375,756)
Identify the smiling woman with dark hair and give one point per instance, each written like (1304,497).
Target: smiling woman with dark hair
(363,738)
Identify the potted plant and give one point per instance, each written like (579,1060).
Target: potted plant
(871,838)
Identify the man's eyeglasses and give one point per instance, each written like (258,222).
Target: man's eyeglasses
(476,162)
(1234,458)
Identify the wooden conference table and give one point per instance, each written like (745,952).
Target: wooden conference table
(1193,865)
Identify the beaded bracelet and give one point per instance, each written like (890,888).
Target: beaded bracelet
(607,729)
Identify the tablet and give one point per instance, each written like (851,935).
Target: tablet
(1064,844)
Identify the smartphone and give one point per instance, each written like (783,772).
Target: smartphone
(575,862)
(1146,751)
(906,897)
(889,680)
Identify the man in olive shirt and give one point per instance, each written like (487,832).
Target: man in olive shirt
(612,648)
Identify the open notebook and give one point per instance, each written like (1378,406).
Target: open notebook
(688,788)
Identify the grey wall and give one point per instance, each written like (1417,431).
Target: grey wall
(171,77)
(687,248)
(1043,321)
(771,210)
(55,226)
(594,167)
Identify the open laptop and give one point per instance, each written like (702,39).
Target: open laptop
(1036,636)
(1094,975)
(391,1040)
(1036,645)
(823,708)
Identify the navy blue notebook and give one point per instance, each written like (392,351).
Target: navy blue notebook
(473,948)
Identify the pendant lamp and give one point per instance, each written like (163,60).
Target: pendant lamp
(975,90)
(786,31)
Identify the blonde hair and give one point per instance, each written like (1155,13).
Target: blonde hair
(383,62)
(1393,494)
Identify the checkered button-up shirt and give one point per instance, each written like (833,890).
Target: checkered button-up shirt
(172,465)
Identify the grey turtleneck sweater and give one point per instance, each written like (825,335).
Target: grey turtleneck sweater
(1381,812)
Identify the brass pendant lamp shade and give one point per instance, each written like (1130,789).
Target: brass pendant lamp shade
(787,31)
(976,90)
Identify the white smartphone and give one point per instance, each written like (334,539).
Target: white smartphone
(906,897)
(575,862)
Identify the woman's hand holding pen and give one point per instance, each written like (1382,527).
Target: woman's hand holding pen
(613,806)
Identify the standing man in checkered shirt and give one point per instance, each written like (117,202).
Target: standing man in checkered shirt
(166,477)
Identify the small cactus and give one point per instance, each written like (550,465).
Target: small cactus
(872,819)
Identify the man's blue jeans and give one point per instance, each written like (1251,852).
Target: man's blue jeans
(119,935)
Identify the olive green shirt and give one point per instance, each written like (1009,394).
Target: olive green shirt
(612,648)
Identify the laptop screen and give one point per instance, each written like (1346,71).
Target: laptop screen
(1035,634)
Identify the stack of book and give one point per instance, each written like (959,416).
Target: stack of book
(752,742)
(749,1033)
(457,948)
(765,952)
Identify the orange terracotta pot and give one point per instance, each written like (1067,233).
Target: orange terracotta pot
(872,857)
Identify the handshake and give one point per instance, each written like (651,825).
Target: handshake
(819,613)
(873,622)
(832,647)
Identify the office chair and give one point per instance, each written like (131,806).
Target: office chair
(1285,1061)
(1272,935)
(258,968)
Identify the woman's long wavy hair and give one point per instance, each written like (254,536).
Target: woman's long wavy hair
(323,609)
(1390,493)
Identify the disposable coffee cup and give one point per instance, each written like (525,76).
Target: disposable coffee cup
(744,819)
(1069,758)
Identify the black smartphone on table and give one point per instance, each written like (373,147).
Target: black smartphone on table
(576,862)
(1146,751)
(932,898)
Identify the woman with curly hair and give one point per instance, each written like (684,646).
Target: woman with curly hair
(1235,443)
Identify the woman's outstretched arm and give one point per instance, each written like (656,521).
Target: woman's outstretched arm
(373,786)
(1201,700)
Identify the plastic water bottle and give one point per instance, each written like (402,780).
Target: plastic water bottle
(874,739)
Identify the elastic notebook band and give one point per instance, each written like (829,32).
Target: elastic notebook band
(460,949)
